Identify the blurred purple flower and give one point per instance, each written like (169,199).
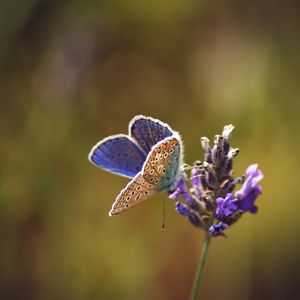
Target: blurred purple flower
(196,181)
(250,190)
(217,229)
(187,212)
(183,209)
(182,190)
(227,206)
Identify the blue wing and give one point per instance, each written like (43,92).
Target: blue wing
(118,154)
(148,131)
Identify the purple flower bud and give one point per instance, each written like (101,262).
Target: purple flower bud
(217,152)
(211,179)
(226,146)
(227,206)
(183,209)
(187,212)
(226,135)
(217,229)
(250,189)
(226,167)
(181,190)
(196,182)
(203,181)
(207,150)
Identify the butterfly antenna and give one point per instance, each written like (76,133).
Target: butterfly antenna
(163,224)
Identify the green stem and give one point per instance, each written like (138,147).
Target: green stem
(201,267)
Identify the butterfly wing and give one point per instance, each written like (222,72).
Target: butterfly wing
(118,154)
(136,191)
(148,131)
(161,171)
(163,164)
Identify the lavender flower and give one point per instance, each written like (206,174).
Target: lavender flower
(183,191)
(209,201)
(217,229)
(190,214)
(227,206)
(250,189)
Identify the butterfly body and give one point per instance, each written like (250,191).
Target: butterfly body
(151,155)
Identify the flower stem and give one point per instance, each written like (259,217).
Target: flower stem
(201,267)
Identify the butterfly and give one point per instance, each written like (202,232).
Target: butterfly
(151,155)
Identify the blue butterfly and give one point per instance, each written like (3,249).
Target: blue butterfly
(151,155)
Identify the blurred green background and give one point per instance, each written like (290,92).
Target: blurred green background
(74,72)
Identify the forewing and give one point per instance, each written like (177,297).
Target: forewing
(136,191)
(148,131)
(118,154)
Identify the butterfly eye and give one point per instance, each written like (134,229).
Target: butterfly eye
(128,198)
(150,186)
(156,181)
(164,170)
(132,193)
(152,171)
(151,179)
(166,155)
(146,192)
(138,188)
(166,143)
(171,151)
(161,156)
(152,163)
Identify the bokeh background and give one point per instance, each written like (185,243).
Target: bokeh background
(74,72)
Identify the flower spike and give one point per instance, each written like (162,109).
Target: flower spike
(208,198)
